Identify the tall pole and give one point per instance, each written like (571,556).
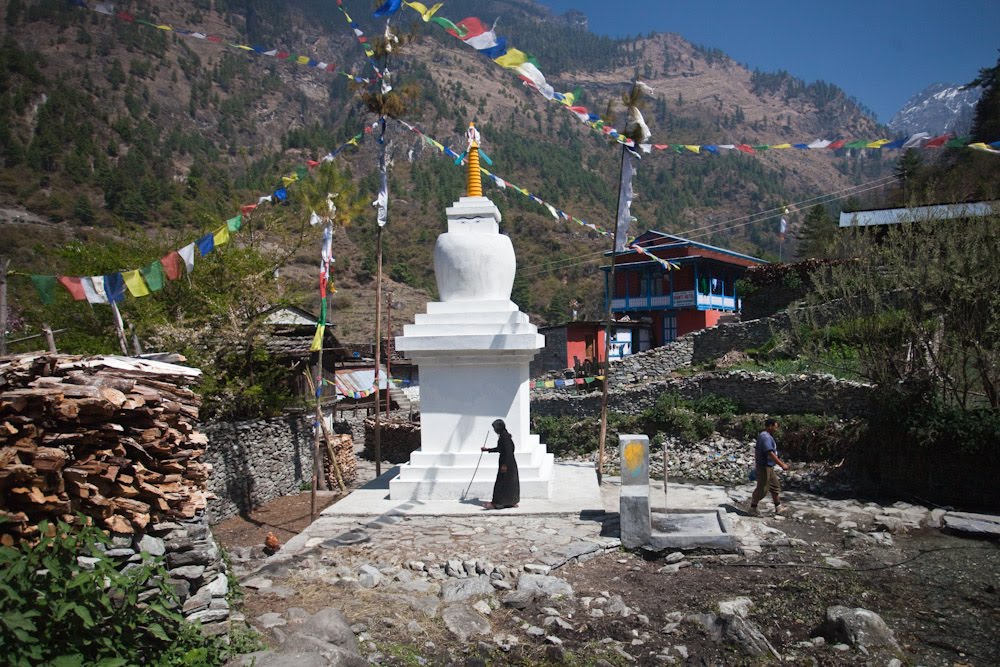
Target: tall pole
(378,352)
(4,263)
(119,328)
(607,339)
(388,350)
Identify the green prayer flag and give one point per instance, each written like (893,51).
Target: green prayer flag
(153,275)
(46,286)
(235,224)
(958,142)
(856,144)
(448,25)
(301,171)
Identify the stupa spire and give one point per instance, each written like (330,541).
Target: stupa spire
(474,181)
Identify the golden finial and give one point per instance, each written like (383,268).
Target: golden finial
(474,183)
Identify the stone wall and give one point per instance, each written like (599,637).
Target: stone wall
(256,461)
(697,347)
(758,392)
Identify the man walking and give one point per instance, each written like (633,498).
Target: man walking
(765,460)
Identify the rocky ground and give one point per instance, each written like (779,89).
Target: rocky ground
(835,582)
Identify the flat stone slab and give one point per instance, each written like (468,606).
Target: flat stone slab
(985,525)
(706,529)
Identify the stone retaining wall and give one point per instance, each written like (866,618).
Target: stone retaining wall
(697,347)
(759,392)
(256,461)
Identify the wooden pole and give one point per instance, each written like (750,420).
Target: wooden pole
(50,339)
(388,351)
(378,352)
(119,328)
(4,263)
(607,339)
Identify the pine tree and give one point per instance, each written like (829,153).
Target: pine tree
(817,235)
(986,125)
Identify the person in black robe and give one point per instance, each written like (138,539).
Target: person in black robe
(507,490)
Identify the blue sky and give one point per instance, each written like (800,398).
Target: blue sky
(879,51)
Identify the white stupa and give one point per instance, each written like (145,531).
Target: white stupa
(473,349)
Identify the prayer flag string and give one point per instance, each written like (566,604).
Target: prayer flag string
(108,9)
(112,287)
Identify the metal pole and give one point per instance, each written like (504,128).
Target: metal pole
(4,263)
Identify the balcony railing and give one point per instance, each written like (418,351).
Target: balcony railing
(685,299)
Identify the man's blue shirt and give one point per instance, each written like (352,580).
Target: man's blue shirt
(765,444)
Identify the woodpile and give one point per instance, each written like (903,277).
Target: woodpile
(112,438)
(399,438)
(343,448)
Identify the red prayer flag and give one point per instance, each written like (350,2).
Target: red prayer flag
(246,209)
(938,142)
(312,163)
(172,264)
(839,143)
(73,286)
(281,55)
(125,16)
(213,38)
(744,148)
(472,26)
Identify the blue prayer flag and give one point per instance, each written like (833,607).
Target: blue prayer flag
(388,8)
(206,244)
(114,287)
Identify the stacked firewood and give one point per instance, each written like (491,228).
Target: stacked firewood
(399,438)
(112,438)
(343,448)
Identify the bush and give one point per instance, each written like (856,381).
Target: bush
(55,611)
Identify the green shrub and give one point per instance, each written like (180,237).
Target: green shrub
(53,611)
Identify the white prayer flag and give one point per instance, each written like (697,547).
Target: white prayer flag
(624,202)
(187,254)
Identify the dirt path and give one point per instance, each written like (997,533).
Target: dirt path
(937,592)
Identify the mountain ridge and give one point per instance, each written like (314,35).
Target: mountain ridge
(177,132)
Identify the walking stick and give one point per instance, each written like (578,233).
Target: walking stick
(481,452)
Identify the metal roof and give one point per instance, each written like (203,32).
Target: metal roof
(895,216)
(360,380)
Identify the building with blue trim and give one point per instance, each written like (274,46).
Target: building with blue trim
(693,295)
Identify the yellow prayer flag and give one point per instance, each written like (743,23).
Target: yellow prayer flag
(878,143)
(317,343)
(136,285)
(221,235)
(512,58)
(302,60)
(288,180)
(164,27)
(781,146)
(693,149)
(243,46)
(549,384)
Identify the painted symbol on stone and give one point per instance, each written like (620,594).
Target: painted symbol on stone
(634,458)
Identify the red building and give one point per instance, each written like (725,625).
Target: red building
(574,344)
(692,296)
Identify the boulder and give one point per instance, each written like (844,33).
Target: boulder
(546,585)
(458,590)
(856,627)
(329,625)
(464,622)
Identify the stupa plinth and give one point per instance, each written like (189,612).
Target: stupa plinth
(473,349)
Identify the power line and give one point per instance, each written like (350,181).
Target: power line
(733,223)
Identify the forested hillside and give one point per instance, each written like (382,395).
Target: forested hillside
(128,141)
